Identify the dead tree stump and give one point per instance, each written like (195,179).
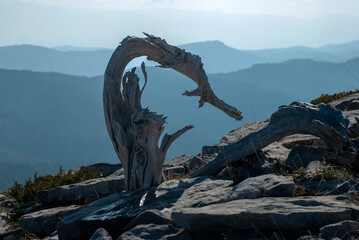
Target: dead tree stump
(135,131)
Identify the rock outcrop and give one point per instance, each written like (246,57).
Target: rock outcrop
(85,192)
(294,188)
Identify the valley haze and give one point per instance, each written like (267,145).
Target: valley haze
(51,107)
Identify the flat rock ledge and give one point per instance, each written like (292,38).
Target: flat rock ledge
(43,223)
(84,192)
(114,212)
(295,215)
(120,212)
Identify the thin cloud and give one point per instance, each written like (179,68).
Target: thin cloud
(294,8)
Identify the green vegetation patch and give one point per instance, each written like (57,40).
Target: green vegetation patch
(26,192)
(327,98)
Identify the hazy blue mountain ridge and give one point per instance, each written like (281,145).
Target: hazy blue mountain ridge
(216,56)
(48,119)
(303,78)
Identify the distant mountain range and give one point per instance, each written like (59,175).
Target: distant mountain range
(52,119)
(216,56)
(49,119)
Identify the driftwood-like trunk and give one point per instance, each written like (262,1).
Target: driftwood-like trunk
(135,131)
(323,121)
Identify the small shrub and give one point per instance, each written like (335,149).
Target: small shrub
(326,98)
(27,192)
(336,172)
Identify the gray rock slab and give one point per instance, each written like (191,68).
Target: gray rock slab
(297,215)
(115,211)
(239,133)
(153,232)
(302,140)
(3,226)
(150,216)
(101,234)
(87,191)
(43,223)
(268,185)
(177,161)
(275,152)
(347,103)
(3,215)
(104,169)
(301,156)
(2,197)
(353,117)
(9,203)
(188,163)
(315,169)
(342,230)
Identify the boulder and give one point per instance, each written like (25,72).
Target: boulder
(101,234)
(269,159)
(315,170)
(239,133)
(342,230)
(301,156)
(115,211)
(104,169)
(347,103)
(84,192)
(9,203)
(177,161)
(2,197)
(269,185)
(302,140)
(353,117)
(296,215)
(152,231)
(183,164)
(150,216)
(3,226)
(43,223)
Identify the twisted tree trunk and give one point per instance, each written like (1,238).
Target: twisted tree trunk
(323,121)
(135,131)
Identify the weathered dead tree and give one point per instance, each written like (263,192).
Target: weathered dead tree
(135,131)
(323,121)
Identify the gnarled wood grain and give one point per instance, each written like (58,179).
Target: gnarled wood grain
(323,121)
(135,131)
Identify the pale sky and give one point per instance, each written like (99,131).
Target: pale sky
(243,24)
(293,8)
